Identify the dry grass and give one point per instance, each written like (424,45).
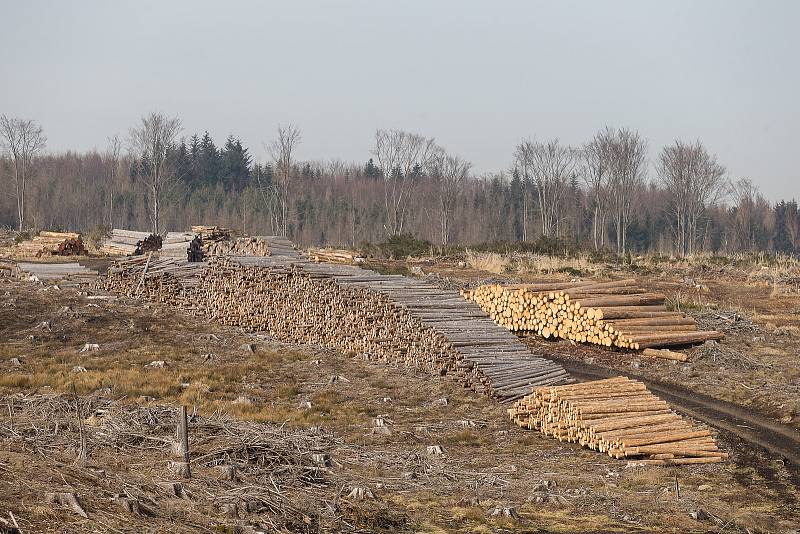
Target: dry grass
(415,491)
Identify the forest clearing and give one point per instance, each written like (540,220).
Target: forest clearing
(399,267)
(355,431)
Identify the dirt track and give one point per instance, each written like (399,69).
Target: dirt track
(780,440)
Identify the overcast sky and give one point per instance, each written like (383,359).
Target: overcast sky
(477,76)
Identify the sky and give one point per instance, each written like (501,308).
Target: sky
(477,76)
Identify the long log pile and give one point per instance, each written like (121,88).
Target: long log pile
(50,244)
(612,314)
(390,318)
(330,255)
(51,272)
(620,417)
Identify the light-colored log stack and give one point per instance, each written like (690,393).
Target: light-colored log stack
(330,255)
(611,314)
(390,318)
(125,242)
(52,272)
(176,244)
(50,244)
(241,246)
(620,417)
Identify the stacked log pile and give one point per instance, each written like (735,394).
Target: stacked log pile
(128,242)
(241,246)
(51,244)
(330,255)
(176,244)
(620,417)
(389,318)
(612,314)
(51,272)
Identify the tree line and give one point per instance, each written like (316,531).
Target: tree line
(606,194)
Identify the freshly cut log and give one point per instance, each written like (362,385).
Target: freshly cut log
(618,416)
(616,314)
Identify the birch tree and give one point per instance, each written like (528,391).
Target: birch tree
(551,168)
(694,179)
(628,158)
(23,139)
(113,160)
(282,151)
(596,170)
(448,172)
(150,143)
(399,155)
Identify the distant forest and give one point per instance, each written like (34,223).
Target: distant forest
(613,193)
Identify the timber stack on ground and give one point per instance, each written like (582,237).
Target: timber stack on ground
(620,417)
(331,255)
(612,314)
(50,244)
(128,242)
(240,246)
(176,244)
(71,273)
(390,318)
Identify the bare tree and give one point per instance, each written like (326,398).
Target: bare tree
(693,179)
(24,139)
(626,181)
(551,167)
(282,152)
(113,158)
(150,143)
(400,155)
(596,156)
(448,173)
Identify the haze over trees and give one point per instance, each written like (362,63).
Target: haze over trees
(611,193)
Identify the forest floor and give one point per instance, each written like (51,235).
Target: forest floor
(304,426)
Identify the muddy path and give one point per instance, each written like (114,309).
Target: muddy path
(779,440)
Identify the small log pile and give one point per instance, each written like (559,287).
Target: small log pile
(51,244)
(611,314)
(128,242)
(620,417)
(176,244)
(330,255)
(241,246)
(209,235)
(390,318)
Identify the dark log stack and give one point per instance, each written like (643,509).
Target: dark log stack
(50,244)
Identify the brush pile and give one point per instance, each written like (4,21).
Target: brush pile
(620,417)
(611,314)
(51,244)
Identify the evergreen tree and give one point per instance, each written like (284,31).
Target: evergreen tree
(235,165)
(371,170)
(208,169)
